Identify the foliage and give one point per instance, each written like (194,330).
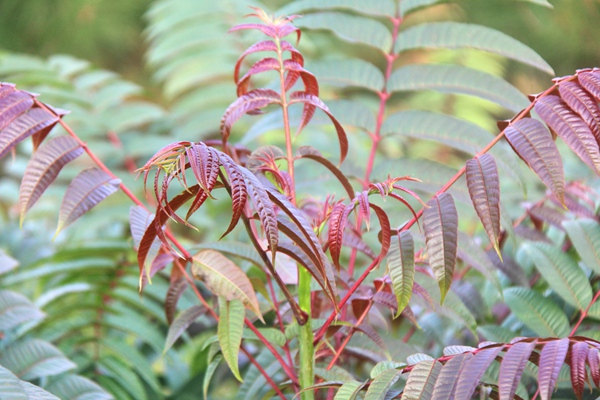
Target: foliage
(392,311)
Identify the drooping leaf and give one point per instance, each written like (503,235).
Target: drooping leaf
(385,235)
(88,189)
(539,313)
(43,168)
(512,367)
(484,188)
(445,386)
(303,97)
(457,79)
(176,288)
(251,101)
(337,224)
(225,279)
(421,380)
(12,104)
(583,103)
(552,358)
(231,324)
(349,73)
(401,263)
(382,384)
(473,371)
(239,194)
(562,274)
(351,28)
(74,387)
(590,80)
(533,143)
(16,309)
(440,223)
(25,125)
(34,358)
(571,129)
(579,355)
(181,323)
(585,236)
(453,35)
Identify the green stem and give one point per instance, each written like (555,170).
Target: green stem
(307,360)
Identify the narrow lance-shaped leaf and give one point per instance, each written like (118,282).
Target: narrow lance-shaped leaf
(176,288)
(440,222)
(382,384)
(208,374)
(88,189)
(533,143)
(484,189)
(594,363)
(337,224)
(23,126)
(512,367)
(384,223)
(253,100)
(421,380)
(552,358)
(579,355)
(181,323)
(583,103)
(349,390)
(445,386)
(571,128)
(401,263)
(43,168)
(231,324)
(239,194)
(472,372)
(313,154)
(222,277)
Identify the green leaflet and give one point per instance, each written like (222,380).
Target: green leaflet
(124,376)
(73,387)
(401,263)
(13,388)
(231,324)
(349,72)
(408,6)
(16,309)
(562,273)
(384,366)
(210,370)
(273,335)
(453,35)
(382,384)
(353,113)
(181,323)
(476,257)
(539,313)
(379,7)
(349,390)
(255,385)
(34,358)
(585,236)
(421,380)
(353,29)
(458,80)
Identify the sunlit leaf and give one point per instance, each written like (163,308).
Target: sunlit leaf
(440,223)
(251,101)
(539,313)
(88,189)
(224,278)
(453,35)
(25,125)
(231,324)
(583,103)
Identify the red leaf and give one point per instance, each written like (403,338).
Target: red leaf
(337,223)
(440,222)
(264,208)
(579,355)
(511,369)
(43,168)
(583,104)
(303,97)
(533,143)
(239,194)
(552,358)
(12,104)
(363,204)
(593,362)
(484,189)
(445,386)
(89,188)
(176,289)
(473,371)
(591,82)
(384,222)
(571,128)
(267,30)
(265,45)
(351,239)
(251,101)
(263,65)
(24,126)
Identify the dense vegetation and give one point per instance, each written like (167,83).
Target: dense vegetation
(344,221)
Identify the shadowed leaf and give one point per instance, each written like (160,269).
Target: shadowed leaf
(473,371)
(445,386)
(176,289)
(539,313)
(440,223)
(552,358)
(401,263)
(239,194)
(533,143)
(222,277)
(231,324)
(585,236)
(181,323)
(88,189)
(512,367)
(34,358)
(579,354)
(313,154)
(73,387)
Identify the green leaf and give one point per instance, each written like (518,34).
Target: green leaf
(231,324)
(382,384)
(401,263)
(477,258)
(585,236)
(454,35)
(539,313)
(562,273)
(124,376)
(457,79)
(408,6)
(349,72)
(349,390)
(273,335)
(379,7)
(385,365)
(73,387)
(210,370)
(34,358)
(7,263)
(16,309)
(224,278)
(181,323)
(353,113)
(254,382)
(353,29)
(440,223)
(421,380)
